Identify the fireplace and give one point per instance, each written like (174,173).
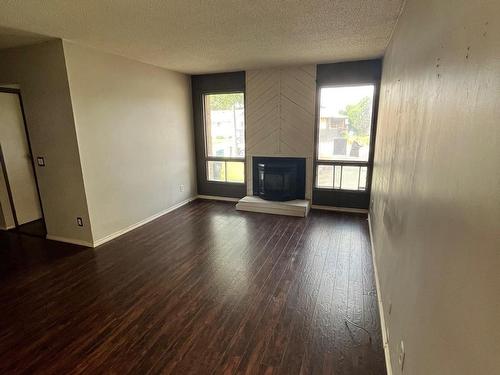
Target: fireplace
(279,179)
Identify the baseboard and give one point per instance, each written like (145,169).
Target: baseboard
(380,306)
(69,240)
(217,198)
(141,223)
(340,209)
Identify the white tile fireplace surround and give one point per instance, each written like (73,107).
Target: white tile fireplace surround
(297,207)
(280,118)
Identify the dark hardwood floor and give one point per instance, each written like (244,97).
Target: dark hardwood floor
(33,228)
(203,290)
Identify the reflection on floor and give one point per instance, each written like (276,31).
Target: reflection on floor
(204,289)
(33,228)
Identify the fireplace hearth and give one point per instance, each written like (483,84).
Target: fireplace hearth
(279,179)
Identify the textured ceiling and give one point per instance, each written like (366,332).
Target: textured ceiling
(201,36)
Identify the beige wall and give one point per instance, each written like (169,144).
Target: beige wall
(41,73)
(135,134)
(436,188)
(280,116)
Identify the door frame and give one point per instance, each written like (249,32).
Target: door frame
(2,160)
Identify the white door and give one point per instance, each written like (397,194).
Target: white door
(17,160)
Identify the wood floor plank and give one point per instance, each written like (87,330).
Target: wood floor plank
(270,314)
(248,315)
(319,348)
(306,302)
(216,306)
(204,289)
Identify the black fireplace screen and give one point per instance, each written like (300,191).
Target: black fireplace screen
(279,179)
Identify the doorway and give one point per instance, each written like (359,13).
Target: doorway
(20,204)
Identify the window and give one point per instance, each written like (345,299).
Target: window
(344,137)
(224,117)
(344,177)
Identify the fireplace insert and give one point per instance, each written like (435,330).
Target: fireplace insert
(279,179)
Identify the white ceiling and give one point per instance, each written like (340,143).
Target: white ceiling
(201,36)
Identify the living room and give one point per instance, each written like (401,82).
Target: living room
(249,187)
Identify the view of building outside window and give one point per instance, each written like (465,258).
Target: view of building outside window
(345,123)
(225,136)
(225,125)
(345,120)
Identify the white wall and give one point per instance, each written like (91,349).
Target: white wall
(280,116)
(17,159)
(135,134)
(436,188)
(40,72)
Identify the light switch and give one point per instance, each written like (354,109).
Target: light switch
(40,161)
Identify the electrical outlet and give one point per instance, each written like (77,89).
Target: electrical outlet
(79,221)
(401,358)
(181,187)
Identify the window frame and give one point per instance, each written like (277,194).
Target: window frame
(224,159)
(368,164)
(341,165)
